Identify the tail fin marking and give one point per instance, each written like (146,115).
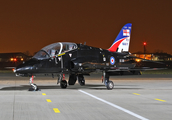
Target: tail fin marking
(122,41)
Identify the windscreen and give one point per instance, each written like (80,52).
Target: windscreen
(55,49)
(41,55)
(52,49)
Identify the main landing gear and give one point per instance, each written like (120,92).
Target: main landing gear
(109,84)
(33,86)
(81,80)
(72,80)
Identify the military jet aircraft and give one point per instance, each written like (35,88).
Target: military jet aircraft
(79,60)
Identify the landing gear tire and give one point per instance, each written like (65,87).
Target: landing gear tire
(33,87)
(82,83)
(72,79)
(81,80)
(63,84)
(110,85)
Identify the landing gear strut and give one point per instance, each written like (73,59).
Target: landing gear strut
(33,86)
(109,84)
(60,77)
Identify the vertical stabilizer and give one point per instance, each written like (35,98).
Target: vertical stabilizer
(122,41)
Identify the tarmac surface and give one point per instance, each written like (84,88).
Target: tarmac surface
(145,97)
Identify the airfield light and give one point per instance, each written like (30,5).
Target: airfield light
(15,59)
(11,59)
(144,44)
(21,59)
(138,60)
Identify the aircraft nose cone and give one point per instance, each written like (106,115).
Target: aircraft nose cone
(23,69)
(18,70)
(26,68)
(14,70)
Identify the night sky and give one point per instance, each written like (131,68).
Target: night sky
(29,25)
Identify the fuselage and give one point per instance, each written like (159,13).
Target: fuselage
(73,58)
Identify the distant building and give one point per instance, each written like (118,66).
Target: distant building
(162,57)
(8,60)
(154,56)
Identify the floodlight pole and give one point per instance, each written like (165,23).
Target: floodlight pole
(144,45)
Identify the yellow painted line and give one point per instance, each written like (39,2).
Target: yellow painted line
(48,100)
(56,110)
(43,94)
(136,94)
(160,100)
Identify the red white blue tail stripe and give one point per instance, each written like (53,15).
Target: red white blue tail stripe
(122,41)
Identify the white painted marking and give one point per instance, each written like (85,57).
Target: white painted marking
(116,106)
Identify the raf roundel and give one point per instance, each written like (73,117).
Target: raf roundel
(112,60)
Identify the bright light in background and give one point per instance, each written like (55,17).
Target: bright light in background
(144,43)
(11,59)
(15,59)
(137,60)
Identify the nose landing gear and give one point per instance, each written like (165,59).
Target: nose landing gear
(33,86)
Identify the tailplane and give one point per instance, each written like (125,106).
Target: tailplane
(122,41)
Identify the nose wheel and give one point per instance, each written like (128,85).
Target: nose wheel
(33,87)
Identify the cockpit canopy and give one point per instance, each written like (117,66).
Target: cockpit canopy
(55,49)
